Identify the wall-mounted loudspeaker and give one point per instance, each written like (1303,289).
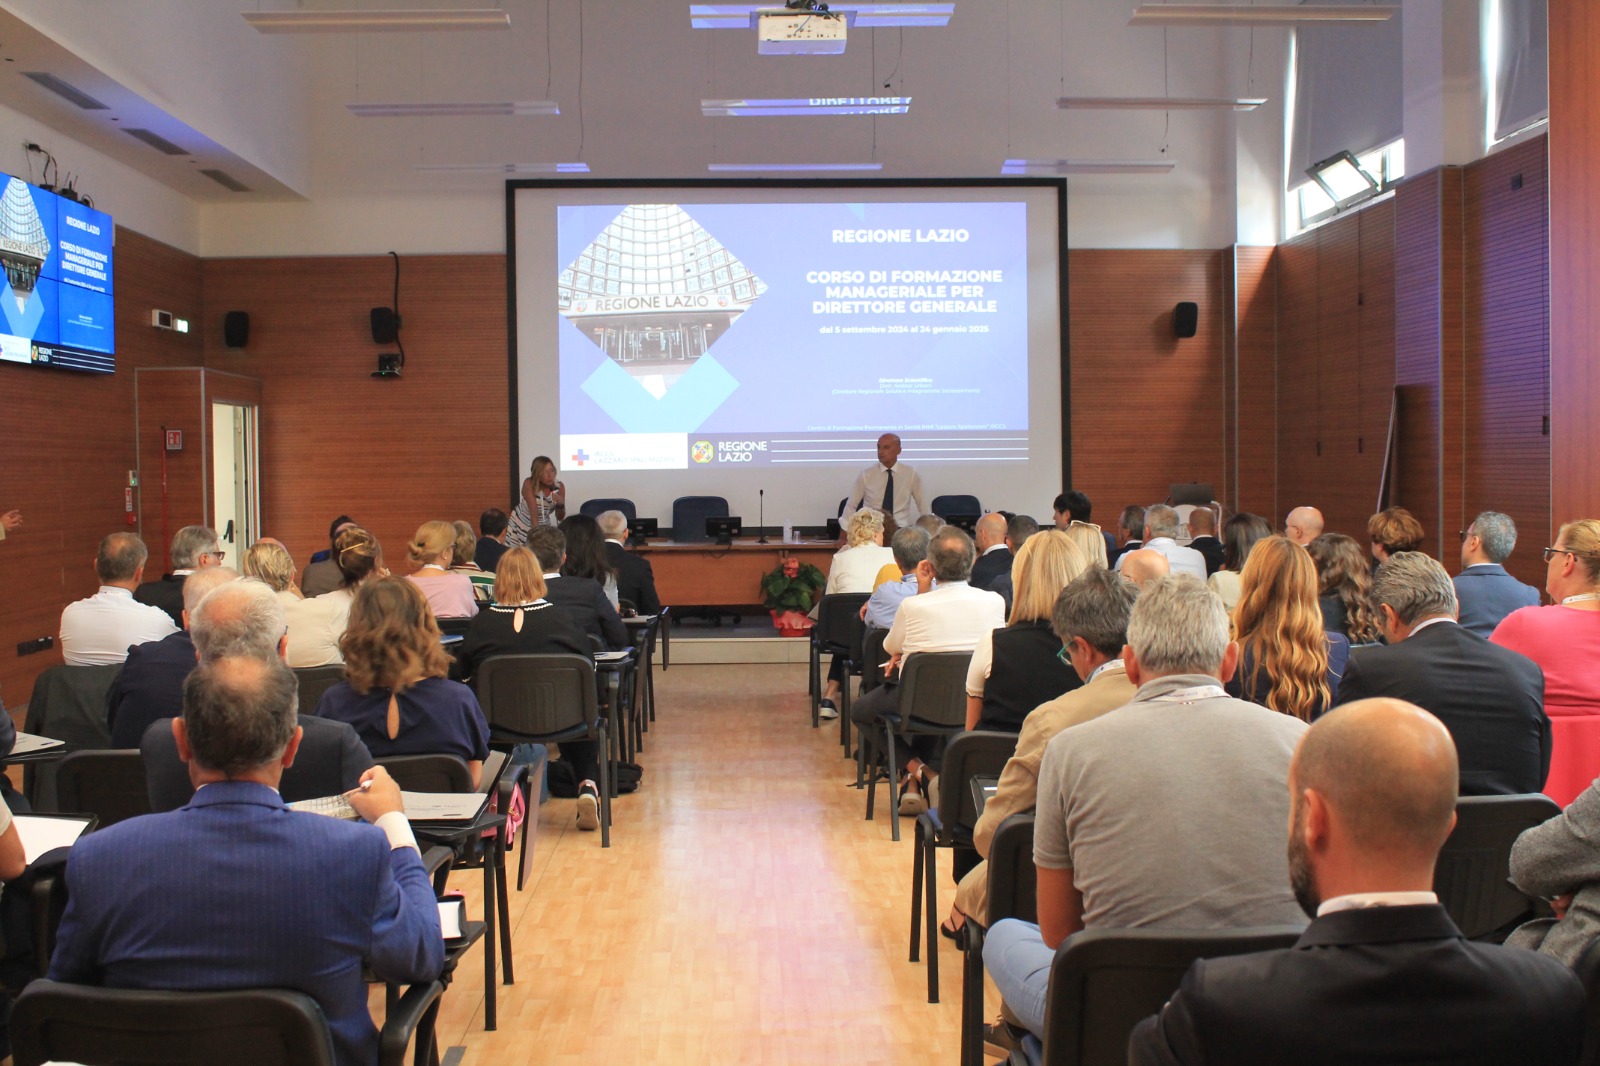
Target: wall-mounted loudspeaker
(385,324)
(1186,319)
(236,329)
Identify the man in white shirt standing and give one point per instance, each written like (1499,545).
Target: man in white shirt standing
(946,614)
(1161,535)
(888,486)
(98,631)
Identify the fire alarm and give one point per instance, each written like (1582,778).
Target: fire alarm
(174,440)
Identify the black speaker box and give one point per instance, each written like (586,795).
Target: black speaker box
(236,329)
(1186,319)
(385,324)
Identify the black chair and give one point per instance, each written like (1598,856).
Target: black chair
(1472,874)
(596,508)
(545,699)
(1013,893)
(1588,971)
(314,681)
(454,627)
(1105,981)
(945,506)
(107,784)
(950,825)
(430,773)
(68,704)
(932,702)
(689,514)
(837,633)
(871,670)
(52,1021)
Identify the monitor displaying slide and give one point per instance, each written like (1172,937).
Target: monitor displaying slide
(56,304)
(734,339)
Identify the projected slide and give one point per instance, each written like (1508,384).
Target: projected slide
(784,333)
(56,302)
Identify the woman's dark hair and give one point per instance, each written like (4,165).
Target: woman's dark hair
(586,548)
(1239,535)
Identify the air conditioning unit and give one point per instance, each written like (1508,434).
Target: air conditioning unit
(806,33)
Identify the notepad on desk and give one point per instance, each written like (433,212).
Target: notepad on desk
(45,833)
(419,806)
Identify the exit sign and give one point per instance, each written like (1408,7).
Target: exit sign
(174,440)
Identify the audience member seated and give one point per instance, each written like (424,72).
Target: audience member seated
(1203,538)
(150,684)
(322,572)
(543,502)
(491,540)
(193,547)
(856,565)
(636,579)
(1382,974)
(994,558)
(910,547)
(98,631)
(1130,532)
(269,561)
(586,555)
(1394,529)
(1090,541)
(1287,662)
(1239,534)
(522,622)
(1090,619)
(1558,861)
(1074,506)
(1160,535)
(1344,581)
(930,524)
(236,891)
(432,551)
(1017,668)
(317,623)
(1142,567)
(1018,530)
(581,597)
(1166,813)
(953,616)
(1484,590)
(461,562)
(1564,638)
(1303,525)
(1490,698)
(395,691)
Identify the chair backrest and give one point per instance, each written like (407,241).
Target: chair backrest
(933,688)
(1013,879)
(969,755)
(1105,981)
(52,1021)
(839,622)
(535,697)
(945,506)
(596,508)
(689,514)
(107,784)
(68,704)
(454,626)
(314,681)
(1475,862)
(429,773)
(872,657)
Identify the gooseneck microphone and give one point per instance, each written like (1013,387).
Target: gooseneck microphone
(761,516)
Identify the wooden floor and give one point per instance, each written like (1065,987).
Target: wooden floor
(745,911)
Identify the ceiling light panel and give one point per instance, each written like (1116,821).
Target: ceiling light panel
(428,20)
(719,168)
(816,105)
(1158,103)
(504,168)
(1258,15)
(427,109)
(1051,167)
(857,15)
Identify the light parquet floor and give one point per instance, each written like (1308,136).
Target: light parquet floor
(745,912)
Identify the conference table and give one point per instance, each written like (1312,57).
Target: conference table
(725,575)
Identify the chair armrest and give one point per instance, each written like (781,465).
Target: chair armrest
(437,861)
(413,1015)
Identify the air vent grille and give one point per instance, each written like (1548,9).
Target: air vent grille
(155,140)
(226,180)
(65,90)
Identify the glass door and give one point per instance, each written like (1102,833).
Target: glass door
(236,499)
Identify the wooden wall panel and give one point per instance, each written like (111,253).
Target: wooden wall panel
(1506,449)
(1254,451)
(1147,409)
(1419,331)
(69,446)
(390,453)
(174,489)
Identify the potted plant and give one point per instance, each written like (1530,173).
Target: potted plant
(789,592)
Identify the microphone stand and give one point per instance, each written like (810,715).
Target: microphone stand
(761,516)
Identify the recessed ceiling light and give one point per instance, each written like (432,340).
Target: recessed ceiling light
(778,167)
(1260,14)
(817,105)
(379,21)
(865,16)
(1017,167)
(1157,103)
(439,108)
(506,168)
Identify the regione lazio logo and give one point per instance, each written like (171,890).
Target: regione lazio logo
(703,452)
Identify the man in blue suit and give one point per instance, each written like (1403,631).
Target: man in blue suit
(237,891)
(1485,591)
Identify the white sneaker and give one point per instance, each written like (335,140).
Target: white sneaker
(827,712)
(588,808)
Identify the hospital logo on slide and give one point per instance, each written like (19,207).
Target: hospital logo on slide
(702,452)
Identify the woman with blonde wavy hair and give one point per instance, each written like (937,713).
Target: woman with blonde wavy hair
(395,693)
(1287,662)
(1015,669)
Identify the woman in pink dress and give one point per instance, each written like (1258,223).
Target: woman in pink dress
(1564,637)
(433,549)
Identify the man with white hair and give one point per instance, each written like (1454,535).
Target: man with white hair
(636,580)
(193,548)
(1485,592)
(1161,535)
(1165,813)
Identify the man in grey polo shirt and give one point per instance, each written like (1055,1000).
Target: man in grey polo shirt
(1166,813)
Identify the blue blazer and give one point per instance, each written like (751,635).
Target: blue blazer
(1487,594)
(149,687)
(237,891)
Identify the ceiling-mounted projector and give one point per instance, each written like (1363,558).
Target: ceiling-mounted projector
(806,33)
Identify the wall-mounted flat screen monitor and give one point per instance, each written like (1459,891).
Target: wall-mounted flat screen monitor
(56,304)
